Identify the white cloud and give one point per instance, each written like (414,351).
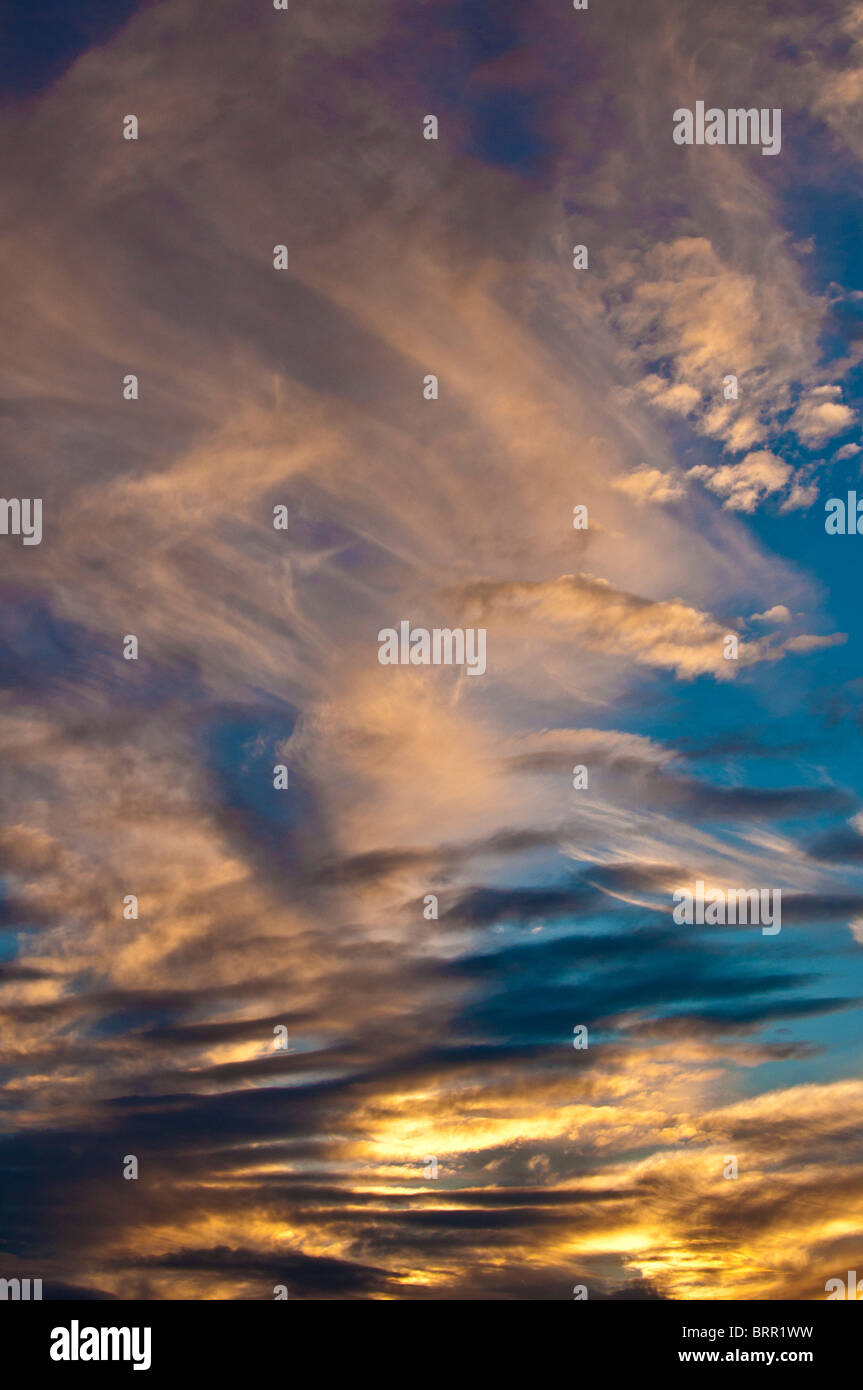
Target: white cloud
(645,484)
(777,614)
(678,397)
(709,315)
(743,485)
(801,496)
(809,642)
(820,415)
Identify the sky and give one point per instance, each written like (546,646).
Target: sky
(431,908)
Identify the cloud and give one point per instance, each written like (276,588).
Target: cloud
(645,485)
(679,398)
(809,642)
(259,908)
(663,633)
(743,485)
(777,614)
(800,498)
(820,415)
(682,302)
